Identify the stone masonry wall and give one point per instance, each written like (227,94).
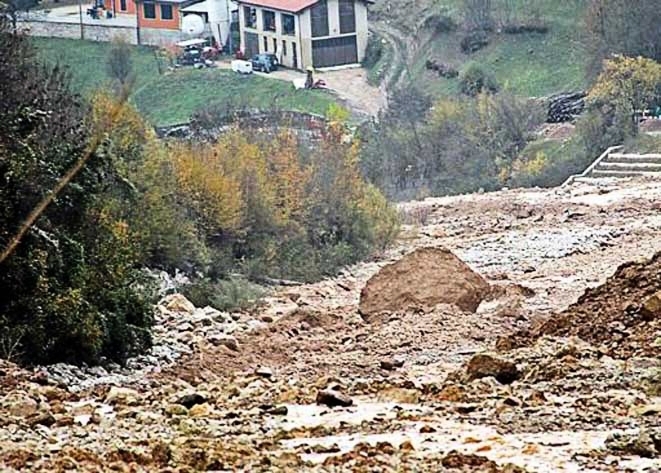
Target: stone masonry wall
(148,36)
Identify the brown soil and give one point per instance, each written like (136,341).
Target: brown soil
(610,315)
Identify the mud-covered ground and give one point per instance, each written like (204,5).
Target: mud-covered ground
(242,394)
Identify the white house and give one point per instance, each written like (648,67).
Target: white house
(305,33)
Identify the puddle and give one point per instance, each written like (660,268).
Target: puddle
(542,452)
(312,415)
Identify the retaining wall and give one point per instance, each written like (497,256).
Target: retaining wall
(51,29)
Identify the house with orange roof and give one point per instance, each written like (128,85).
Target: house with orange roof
(305,33)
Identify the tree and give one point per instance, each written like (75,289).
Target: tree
(120,63)
(625,86)
(630,28)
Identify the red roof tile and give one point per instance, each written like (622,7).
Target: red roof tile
(293,6)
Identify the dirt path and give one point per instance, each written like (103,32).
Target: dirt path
(251,403)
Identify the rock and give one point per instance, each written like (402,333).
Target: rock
(651,308)
(264,372)
(482,366)
(190,400)
(427,429)
(644,443)
(390,364)
(176,410)
(118,395)
(423,279)
(225,340)
(278,411)
(452,393)
(178,303)
(41,418)
(405,396)
(646,410)
(19,404)
(512,401)
(332,398)
(471,462)
(199,410)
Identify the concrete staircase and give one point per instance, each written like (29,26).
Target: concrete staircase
(613,164)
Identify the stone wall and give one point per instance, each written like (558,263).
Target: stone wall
(148,36)
(72,30)
(266,124)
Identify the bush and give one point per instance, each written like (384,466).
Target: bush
(474,41)
(440,23)
(475,80)
(525,28)
(373,52)
(233,293)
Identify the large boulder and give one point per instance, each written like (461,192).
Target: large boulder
(483,366)
(421,280)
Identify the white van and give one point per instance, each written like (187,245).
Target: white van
(242,67)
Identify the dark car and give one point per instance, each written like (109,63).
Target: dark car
(266,62)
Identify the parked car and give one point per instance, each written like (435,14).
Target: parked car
(266,62)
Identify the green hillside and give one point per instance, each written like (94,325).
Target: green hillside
(528,64)
(172,97)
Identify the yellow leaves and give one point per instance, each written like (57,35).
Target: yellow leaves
(444,111)
(385,223)
(626,82)
(207,187)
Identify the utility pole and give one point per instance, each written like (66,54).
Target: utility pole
(229,26)
(137,22)
(80,16)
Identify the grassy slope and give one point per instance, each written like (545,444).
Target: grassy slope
(172,97)
(530,64)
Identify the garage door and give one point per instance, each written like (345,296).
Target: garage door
(334,51)
(252,45)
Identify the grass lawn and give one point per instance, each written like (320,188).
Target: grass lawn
(527,64)
(172,97)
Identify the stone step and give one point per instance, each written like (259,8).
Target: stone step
(628,166)
(597,173)
(594,180)
(632,158)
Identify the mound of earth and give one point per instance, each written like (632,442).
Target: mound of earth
(622,316)
(422,280)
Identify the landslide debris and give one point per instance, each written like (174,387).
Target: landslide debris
(621,317)
(422,280)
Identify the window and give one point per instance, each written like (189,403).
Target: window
(166,12)
(347,17)
(275,45)
(268,20)
(319,19)
(149,9)
(284,47)
(122,5)
(266,44)
(249,17)
(288,24)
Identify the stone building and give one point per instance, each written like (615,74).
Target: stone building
(305,33)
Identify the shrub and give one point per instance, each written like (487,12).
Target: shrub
(475,80)
(440,23)
(373,52)
(474,41)
(525,28)
(233,293)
